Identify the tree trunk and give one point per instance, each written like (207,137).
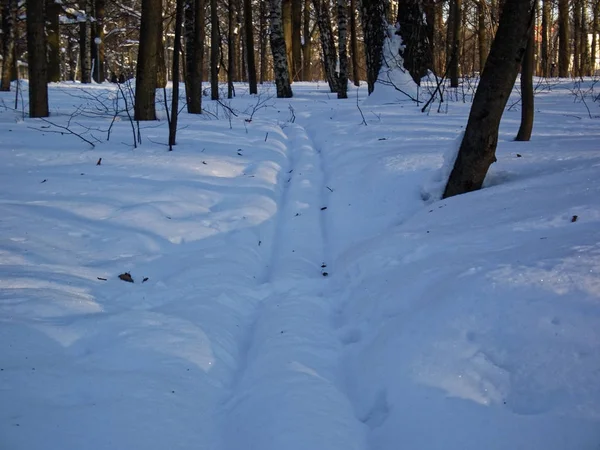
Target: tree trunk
(563,39)
(481,34)
(263,40)
(478,148)
(85,38)
(583,46)
(98,41)
(230,48)
(176,53)
(596,13)
(307,46)
(327,43)
(342,16)
(374,25)
(296,39)
(53,35)
(286,11)
(545,56)
(249,30)
(413,30)
(455,6)
(527,105)
(440,55)
(9,21)
(214,51)
(354,43)
(576,38)
(36,59)
(147,64)
(161,64)
(280,62)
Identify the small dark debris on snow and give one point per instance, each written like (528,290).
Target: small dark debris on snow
(43,181)
(126,277)
(297,214)
(323,265)
(331,190)
(99,162)
(290,171)
(574,219)
(289,179)
(519,155)
(168,217)
(82,173)
(382,139)
(325,274)
(542,238)
(145,279)
(205,163)
(266,136)
(323,208)
(427,231)
(172,392)
(102,279)
(259,242)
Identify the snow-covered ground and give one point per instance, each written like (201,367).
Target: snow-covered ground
(305,287)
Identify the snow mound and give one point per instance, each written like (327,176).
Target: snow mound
(394,83)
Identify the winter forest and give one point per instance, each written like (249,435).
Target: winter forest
(300,224)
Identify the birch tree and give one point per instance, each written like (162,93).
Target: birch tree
(280,62)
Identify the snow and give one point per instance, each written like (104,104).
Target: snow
(306,286)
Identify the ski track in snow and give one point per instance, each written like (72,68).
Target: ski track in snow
(288,366)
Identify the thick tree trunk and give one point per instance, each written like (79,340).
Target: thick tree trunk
(583,46)
(147,64)
(98,41)
(307,46)
(564,52)
(455,24)
(9,20)
(327,43)
(36,59)
(439,52)
(354,43)
(176,56)
(596,13)
(280,62)
(545,53)
(413,30)
(85,42)
(342,16)
(53,34)
(373,13)
(296,40)
(249,37)
(214,50)
(478,148)
(527,102)
(576,38)
(189,10)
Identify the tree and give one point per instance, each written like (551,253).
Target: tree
(36,59)
(564,53)
(545,50)
(85,42)
(9,20)
(214,50)
(98,41)
(413,30)
(478,147)
(296,40)
(374,24)
(53,35)
(307,45)
(454,27)
(230,48)
(327,43)
(176,52)
(249,35)
(280,62)
(527,110)
(342,15)
(194,53)
(354,43)
(147,64)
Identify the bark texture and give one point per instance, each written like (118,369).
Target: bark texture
(373,13)
(354,43)
(53,35)
(527,101)
(9,20)
(147,64)
(327,43)
(478,148)
(85,43)
(249,39)
(342,15)
(36,59)
(214,51)
(414,32)
(176,53)
(280,62)
(564,52)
